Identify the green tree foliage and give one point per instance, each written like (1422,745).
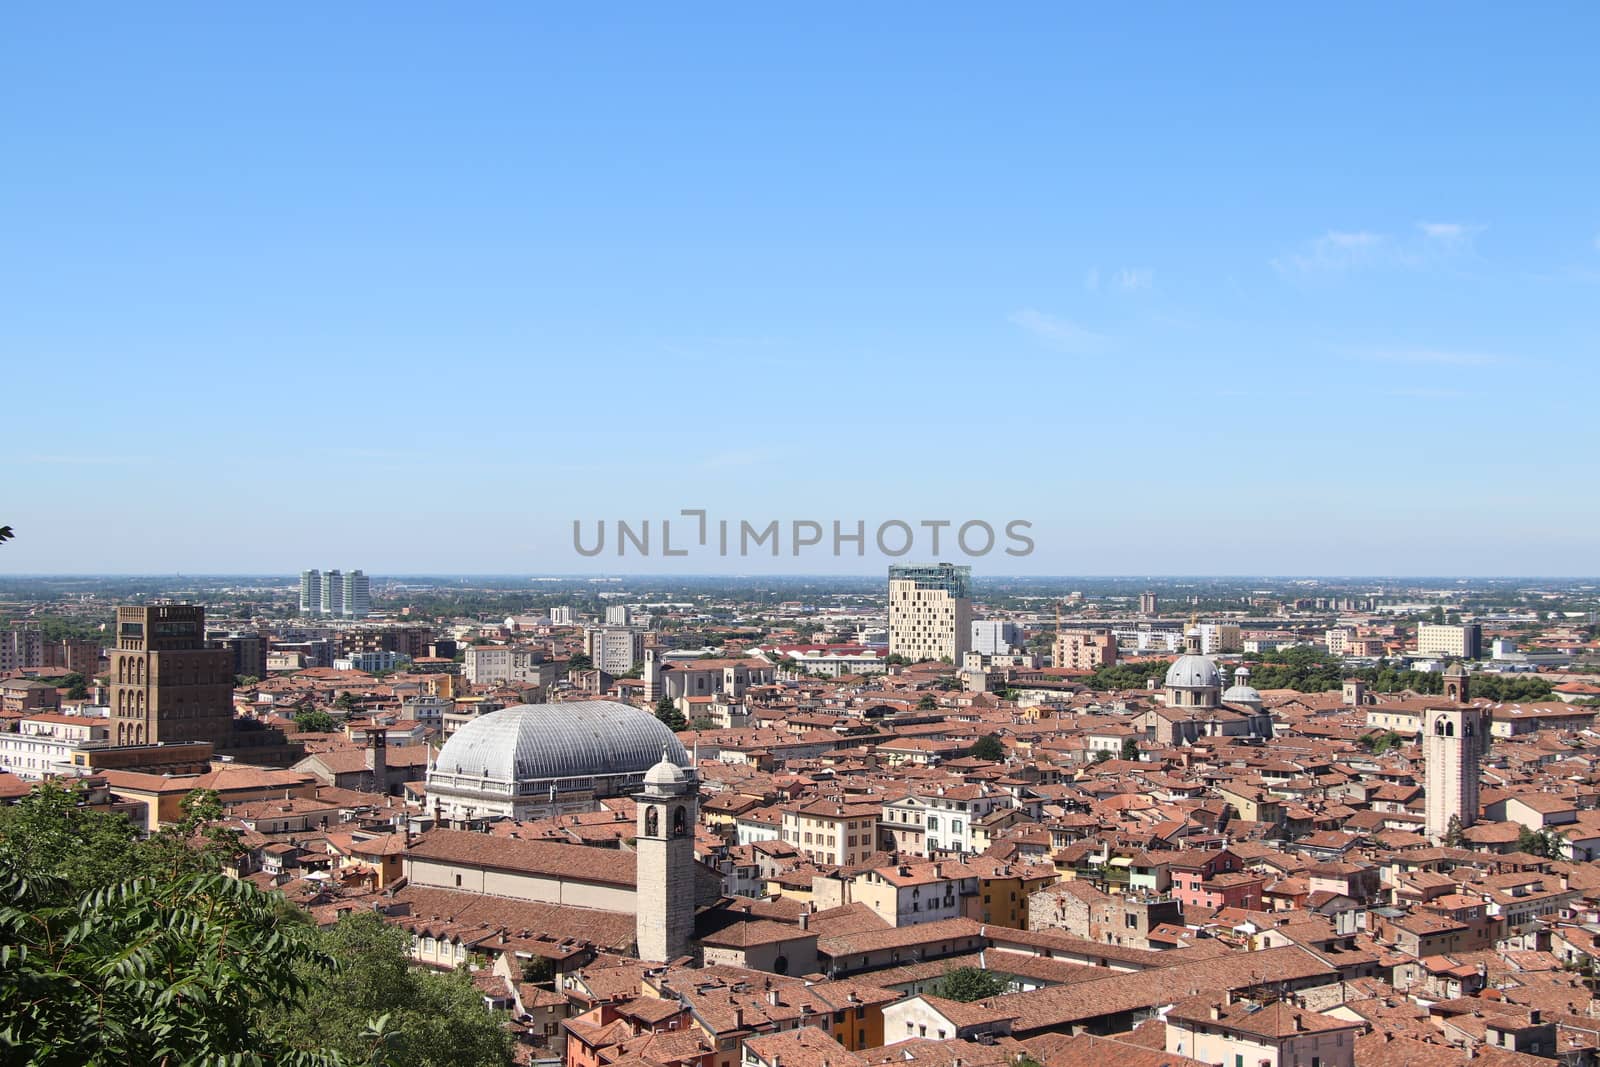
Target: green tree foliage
(1130,748)
(989,747)
(927,703)
(245,681)
(149,971)
(83,849)
(1128,675)
(439,1019)
(580,662)
(119,951)
(669,715)
(316,721)
(970,983)
(1509,688)
(1453,835)
(1380,742)
(1547,843)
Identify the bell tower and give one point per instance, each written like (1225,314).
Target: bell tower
(664,847)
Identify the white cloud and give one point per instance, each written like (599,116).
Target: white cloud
(1131,278)
(1335,250)
(1059,332)
(1343,250)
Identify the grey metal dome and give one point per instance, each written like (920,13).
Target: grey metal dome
(580,739)
(1193,672)
(1242,694)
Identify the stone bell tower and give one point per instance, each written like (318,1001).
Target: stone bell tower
(664,846)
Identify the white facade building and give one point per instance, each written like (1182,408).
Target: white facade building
(995,637)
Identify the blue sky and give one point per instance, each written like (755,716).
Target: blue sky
(1231,290)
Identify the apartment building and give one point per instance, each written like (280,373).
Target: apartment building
(1461,642)
(1219,637)
(496,664)
(1085,650)
(995,637)
(828,831)
(614,649)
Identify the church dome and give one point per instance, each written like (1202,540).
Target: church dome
(665,773)
(533,743)
(1193,672)
(1242,694)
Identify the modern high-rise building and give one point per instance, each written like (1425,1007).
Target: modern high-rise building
(614,649)
(311,592)
(619,615)
(562,616)
(168,684)
(995,637)
(357,599)
(1147,603)
(1454,740)
(1463,642)
(332,593)
(335,593)
(930,611)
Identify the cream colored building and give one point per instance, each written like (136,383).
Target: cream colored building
(1260,1035)
(828,832)
(1435,639)
(930,611)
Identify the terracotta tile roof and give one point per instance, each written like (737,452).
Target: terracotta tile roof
(579,863)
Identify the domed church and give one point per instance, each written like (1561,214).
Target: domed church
(537,761)
(1197,707)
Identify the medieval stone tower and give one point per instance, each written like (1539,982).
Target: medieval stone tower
(665,849)
(1454,739)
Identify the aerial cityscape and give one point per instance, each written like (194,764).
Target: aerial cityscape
(940,817)
(814,536)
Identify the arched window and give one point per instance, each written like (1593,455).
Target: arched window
(679,824)
(652,822)
(1438,727)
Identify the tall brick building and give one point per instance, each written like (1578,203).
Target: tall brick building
(167,684)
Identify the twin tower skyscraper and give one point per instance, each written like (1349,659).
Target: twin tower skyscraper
(347,595)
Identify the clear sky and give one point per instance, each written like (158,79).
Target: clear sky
(1205,289)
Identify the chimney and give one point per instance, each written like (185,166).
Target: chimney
(738,1018)
(772,999)
(1535,1016)
(1216,1012)
(805,919)
(1299,1022)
